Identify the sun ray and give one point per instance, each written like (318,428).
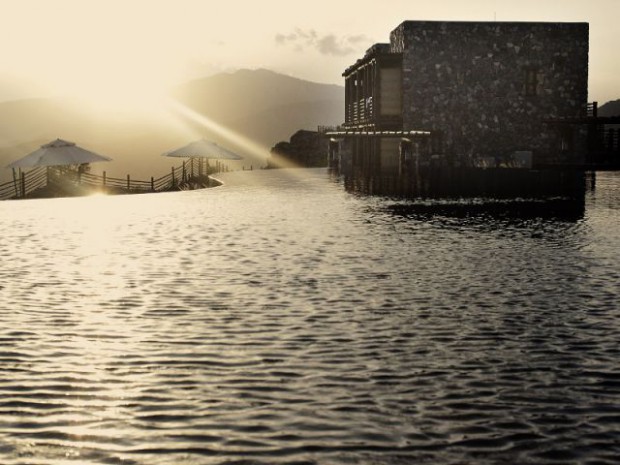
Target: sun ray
(239,140)
(251,147)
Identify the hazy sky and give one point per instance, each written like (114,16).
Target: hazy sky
(103,47)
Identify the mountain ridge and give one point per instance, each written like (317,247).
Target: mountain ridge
(224,96)
(611,108)
(261,105)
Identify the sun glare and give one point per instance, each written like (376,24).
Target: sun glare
(125,98)
(124,83)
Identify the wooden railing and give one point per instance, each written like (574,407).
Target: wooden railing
(360,111)
(24,184)
(322,129)
(190,174)
(8,190)
(592,109)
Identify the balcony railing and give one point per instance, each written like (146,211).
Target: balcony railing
(592,109)
(361,111)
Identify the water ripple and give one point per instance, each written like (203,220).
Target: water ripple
(278,319)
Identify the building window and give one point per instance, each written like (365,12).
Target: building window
(531,82)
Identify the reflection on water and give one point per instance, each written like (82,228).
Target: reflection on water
(464,182)
(493,211)
(280,318)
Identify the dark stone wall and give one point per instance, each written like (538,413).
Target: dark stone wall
(469,81)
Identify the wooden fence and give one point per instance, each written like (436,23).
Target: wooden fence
(191,174)
(24,183)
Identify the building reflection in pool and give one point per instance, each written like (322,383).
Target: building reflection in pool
(475,192)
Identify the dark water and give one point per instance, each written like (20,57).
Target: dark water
(282,319)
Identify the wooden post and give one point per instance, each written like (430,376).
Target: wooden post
(15,183)
(128,182)
(595,109)
(346,100)
(152,184)
(104,178)
(174,183)
(192,169)
(23,182)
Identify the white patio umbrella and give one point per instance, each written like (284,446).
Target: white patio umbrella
(58,152)
(203,149)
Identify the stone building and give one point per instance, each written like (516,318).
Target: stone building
(482,89)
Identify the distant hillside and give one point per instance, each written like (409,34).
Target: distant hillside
(226,96)
(610,108)
(279,123)
(260,105)
(264,105)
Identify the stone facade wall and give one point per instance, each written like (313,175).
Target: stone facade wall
(488,87)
